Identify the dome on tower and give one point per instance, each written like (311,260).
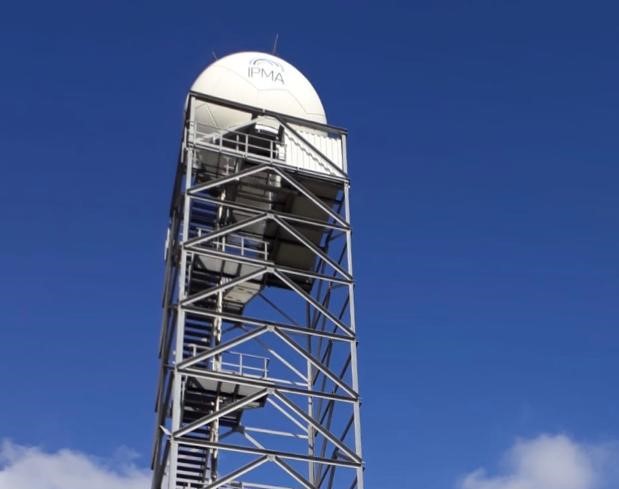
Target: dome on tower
(259,80)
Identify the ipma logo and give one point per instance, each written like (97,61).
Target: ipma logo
(266,69)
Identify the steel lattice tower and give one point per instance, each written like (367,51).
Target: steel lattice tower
(258,382)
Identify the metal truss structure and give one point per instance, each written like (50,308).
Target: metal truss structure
(258,384)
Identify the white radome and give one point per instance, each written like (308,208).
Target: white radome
(259,80)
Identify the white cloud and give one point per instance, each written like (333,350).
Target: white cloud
(32,468)
(551,462)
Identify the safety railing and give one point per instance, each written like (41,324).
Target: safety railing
(234,362)
(245,364)
(304,150)
(232,485)
(234,243)
(240,142)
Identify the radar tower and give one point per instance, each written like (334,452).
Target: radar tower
(258,385)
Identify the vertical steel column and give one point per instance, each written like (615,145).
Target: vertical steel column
(217,359)
(353,322)
(179,379)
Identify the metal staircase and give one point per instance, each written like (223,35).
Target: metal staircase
(201,398)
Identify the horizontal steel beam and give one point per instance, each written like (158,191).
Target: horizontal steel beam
(259,110)
(263,451)
(251,321)
(257,210)
(262,383)
(264,263)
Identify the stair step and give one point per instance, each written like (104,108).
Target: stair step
(191,468)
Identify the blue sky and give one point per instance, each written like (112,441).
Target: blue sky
(483,154)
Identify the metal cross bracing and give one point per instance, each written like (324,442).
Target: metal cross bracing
(258,382)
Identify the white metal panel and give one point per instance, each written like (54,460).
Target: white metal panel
(323,154)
